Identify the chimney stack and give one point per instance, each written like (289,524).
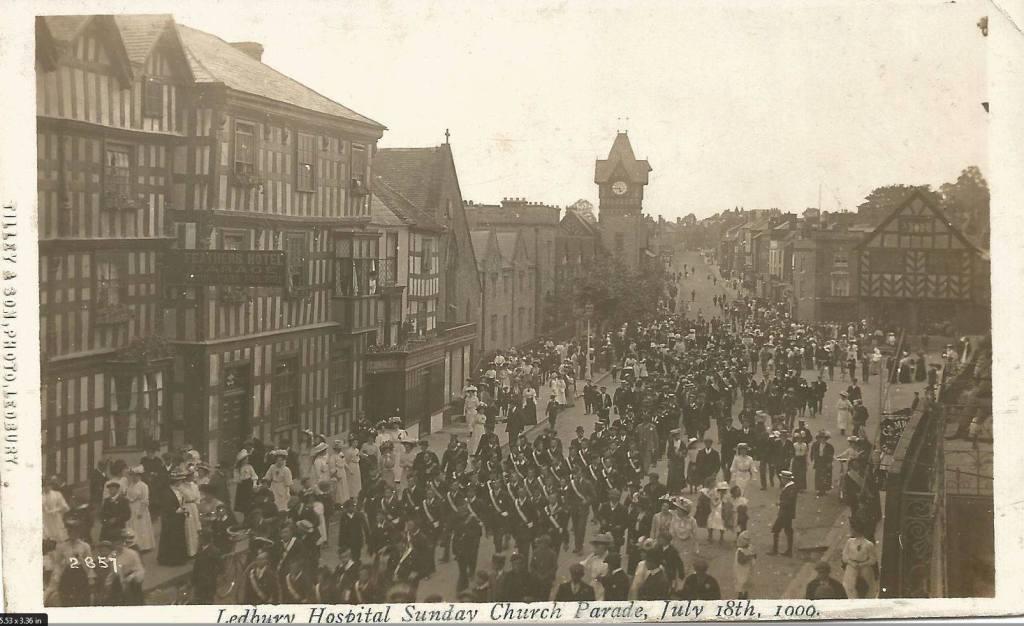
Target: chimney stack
(251,48)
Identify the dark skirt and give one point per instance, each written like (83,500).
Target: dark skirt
(172,550)
(243,496)
(823,478)
(676,475)
(800,472)
(703,511)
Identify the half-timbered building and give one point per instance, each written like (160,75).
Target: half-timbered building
(269,164)
(111,103)
(418,368)
(152,138)
(916,268)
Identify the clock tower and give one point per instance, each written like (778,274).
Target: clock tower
(621,179)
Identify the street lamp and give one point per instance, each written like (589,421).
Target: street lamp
(588,312)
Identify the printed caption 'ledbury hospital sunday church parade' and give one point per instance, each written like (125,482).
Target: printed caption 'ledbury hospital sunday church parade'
(283,364)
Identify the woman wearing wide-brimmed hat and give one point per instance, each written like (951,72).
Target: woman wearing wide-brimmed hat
(280,479)
(743,467)
(172,549)
(138,500)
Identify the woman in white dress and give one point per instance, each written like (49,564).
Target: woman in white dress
(138,500)
(280,479)
(355,475)
(558,388)
(339,472)
(715,519)
(473,418)
(54,508)
(743,467)
(190,502)
(320,468)
(844,409)
(684,530)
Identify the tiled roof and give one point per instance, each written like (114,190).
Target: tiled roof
(214,60)
(621,154)
(401,207)
(66,27)
(140,32)
(381,214)
(412,172)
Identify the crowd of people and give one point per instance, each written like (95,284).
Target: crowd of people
(393,504)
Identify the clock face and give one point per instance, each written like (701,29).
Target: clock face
(619,188)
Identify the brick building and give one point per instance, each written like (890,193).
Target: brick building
(537,225)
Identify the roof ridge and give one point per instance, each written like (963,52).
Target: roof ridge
(278,73)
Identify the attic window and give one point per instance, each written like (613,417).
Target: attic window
(152,98)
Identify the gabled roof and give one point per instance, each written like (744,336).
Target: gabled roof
(213,60)
(400,206)
(140,33)
(484,247)
(413,172)
(65,29)
(573,220)
(621,155)
(930,206)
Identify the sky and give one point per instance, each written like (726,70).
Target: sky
(734,104)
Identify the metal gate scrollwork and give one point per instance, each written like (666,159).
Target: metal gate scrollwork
(918,517)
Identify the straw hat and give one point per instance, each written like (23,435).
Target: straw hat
(242,454)
(318,448)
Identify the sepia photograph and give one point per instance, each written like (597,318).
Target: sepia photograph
(486,308)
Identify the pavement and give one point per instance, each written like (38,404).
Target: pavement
(820,526)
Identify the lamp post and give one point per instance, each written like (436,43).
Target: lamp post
(588,311)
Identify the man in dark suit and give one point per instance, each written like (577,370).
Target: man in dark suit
(822,456)
(786,514)
(353,529)
(344,576)
(700,585)
(516,584)
(466,540)
(824,587)
(589,395)
(604,405)
(488,441)
(708,462)
(616,582)
(454,455)
(574,589)
(514,423)
(656,584)
(613,517)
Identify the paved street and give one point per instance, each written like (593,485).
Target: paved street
(820,524)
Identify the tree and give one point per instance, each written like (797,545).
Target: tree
(966,204)
(883,200)
(619,295)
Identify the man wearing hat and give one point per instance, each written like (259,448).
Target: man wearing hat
(650,582)
(824,587)
(603,404)
(786,513)
(426,462)
(129,574)
(114,513)
(466,534)
(353,527)
(260,582)
(71,585)
(822,456)
(594,566)
(574,589)
(708,462)
(489,443)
